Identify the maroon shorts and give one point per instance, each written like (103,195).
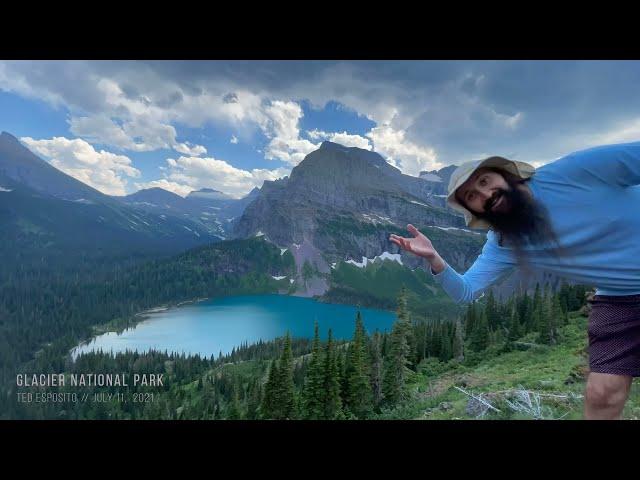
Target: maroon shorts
(614,335)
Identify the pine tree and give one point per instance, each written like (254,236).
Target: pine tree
(271,400)
(341,369)
(331,391)
(470,319)
(357,393)
(253,404)
(313,406)
(396,370)
(279,396)
(493,314)
(515,329)
(234,412)
(424,338)
(479,340)
(436,340)
(286,387)
(458,341)
(376,368)
(403,314)
(445,347)
(561,315)
(544,319)
(536,309)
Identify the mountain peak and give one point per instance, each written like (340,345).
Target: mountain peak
(153,191)
(8,139)
(21,165)
(327,145)
(208,190)
(208,194)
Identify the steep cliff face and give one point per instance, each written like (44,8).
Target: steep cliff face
(343,203)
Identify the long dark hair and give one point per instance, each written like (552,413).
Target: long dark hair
(528,222)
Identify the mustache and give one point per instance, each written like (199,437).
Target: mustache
(526,222)
(491,201)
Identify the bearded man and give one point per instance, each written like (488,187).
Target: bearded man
(578,218)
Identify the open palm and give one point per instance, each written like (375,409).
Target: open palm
(419,245)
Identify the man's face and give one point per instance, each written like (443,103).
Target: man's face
(484,192)
(508,208)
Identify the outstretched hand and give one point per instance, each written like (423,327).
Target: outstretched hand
(419,244)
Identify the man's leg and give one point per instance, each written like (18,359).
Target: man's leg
(605,396)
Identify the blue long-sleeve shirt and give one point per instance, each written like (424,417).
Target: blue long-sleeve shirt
(593,199)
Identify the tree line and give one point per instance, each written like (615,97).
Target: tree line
(296,378)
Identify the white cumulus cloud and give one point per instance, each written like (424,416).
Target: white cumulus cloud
(102,170)
(282,127)
(409,157)
(190,149)
(342,138)
(177,188)
(141,134)
(184,174)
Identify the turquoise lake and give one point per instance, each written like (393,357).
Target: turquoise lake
(217,325)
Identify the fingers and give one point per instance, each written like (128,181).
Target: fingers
(412,230)
(398,241)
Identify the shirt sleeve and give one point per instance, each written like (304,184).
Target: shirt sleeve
(613,165)
(493,264)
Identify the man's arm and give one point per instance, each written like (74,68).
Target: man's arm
(490,266)
(615,165)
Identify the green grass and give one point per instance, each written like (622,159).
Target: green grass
(555,370)
(549,370)
(377,285)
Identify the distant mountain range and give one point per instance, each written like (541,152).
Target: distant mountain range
(339,205)
(45,210)
(210,209)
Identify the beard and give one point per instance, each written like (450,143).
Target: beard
(524,223)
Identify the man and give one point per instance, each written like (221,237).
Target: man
(577,217)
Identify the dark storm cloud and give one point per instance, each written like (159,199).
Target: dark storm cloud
(533,109)
(230,98)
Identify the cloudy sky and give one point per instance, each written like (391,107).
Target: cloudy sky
(120,126)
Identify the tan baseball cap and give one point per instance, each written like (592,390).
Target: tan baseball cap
(463,172)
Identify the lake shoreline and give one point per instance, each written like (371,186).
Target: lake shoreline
(116,325)
(257,317)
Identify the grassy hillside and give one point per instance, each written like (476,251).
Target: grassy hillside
(556,372)
(378,285)
(548,370)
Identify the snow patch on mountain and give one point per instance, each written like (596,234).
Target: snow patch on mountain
(431,177)
(455,228)
(378,220)
(395,257)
